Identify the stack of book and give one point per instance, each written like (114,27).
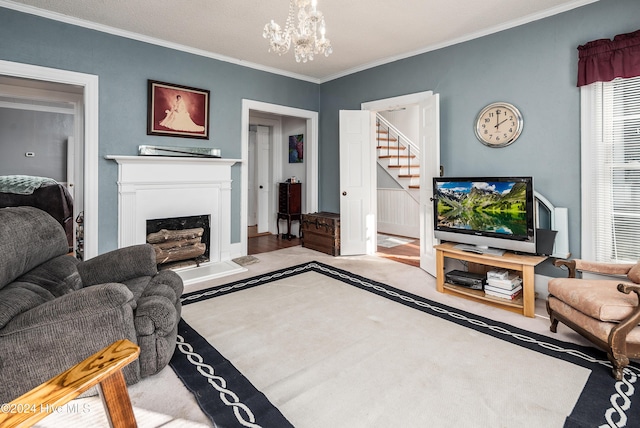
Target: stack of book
(503,285)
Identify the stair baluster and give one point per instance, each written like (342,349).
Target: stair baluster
(397,148)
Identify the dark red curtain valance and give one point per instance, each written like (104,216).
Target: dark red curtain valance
(603,60)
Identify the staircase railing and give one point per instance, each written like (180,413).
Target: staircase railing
(403,143)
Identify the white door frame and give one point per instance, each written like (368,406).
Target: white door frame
(89,83)
(253,197)
(311,157)
(395,102)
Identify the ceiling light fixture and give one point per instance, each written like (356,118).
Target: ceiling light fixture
(304,36)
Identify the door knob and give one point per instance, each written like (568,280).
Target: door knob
(344,193)
(261,187)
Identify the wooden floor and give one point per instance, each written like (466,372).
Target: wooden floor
(408,253)
(267,243)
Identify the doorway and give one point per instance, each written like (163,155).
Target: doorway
(270,142)
(281,121)
(85,171)
(428,132)
(40,132)
(398,209)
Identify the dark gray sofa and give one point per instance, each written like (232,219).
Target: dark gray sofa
(56,311)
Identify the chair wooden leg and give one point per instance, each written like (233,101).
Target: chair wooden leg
(618,362)
(554,321)
(617,372)
(115,398)
(617,367)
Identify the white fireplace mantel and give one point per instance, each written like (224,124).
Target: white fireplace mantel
(152,187)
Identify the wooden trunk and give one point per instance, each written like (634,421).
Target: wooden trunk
(321,232)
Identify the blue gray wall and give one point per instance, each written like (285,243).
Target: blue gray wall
(123,67)
(533,66)
(41,132)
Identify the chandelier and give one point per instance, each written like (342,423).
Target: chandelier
(304,36)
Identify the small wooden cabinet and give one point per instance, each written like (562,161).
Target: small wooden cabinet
(523,265)
(289,205)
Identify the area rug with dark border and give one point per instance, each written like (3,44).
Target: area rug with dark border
(230,399)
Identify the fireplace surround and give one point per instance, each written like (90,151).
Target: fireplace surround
(152,187)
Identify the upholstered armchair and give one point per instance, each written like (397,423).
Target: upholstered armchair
(56,310)
(605,311)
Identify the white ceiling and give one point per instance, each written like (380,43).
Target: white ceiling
(364,33)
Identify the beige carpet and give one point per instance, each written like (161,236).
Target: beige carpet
(165,394)
(89,412)
(328,354)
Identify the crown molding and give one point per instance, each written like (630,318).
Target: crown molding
(159,42)
(471,36)
(7,4)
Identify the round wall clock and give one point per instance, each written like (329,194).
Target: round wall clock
(499,124)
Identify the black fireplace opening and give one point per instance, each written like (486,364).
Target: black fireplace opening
(180,241)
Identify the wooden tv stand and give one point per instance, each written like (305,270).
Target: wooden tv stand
(522,265)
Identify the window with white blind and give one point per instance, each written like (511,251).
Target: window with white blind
(610,126)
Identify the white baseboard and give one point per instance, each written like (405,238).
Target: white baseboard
(541,286)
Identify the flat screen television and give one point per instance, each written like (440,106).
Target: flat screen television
(485,214)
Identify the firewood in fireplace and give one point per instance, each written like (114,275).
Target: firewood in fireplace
(177,243)
(179,253)
(174,235)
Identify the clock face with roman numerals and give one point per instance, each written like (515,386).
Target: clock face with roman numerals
(498,124)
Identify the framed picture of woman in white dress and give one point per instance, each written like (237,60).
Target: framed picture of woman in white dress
(177,111)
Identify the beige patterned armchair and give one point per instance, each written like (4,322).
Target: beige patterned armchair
(605,311)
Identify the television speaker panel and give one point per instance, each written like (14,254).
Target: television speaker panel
(489,214)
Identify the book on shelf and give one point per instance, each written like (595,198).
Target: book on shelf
(507,284)
(501,293)
(498,274)
(502,290)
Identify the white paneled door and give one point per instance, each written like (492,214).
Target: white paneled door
(262,177)
(357,183)
(429,168)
